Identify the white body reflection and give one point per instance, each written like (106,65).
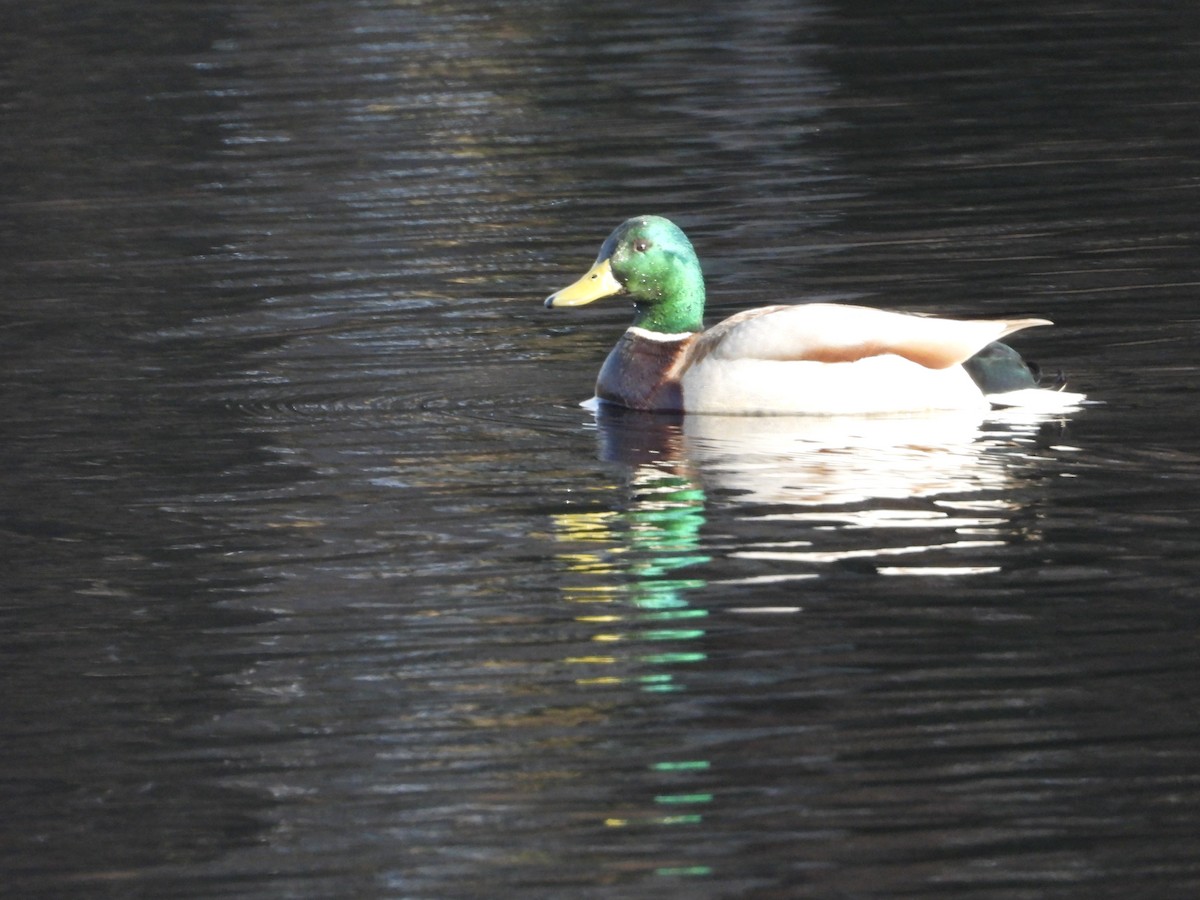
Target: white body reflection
(924,494)
(841,459)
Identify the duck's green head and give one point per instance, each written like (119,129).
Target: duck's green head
(652,261)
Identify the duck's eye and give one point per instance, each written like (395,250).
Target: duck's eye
(641,246)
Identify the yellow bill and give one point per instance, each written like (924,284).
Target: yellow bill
(598,282)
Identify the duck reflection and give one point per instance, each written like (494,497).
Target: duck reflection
(905,496)
(862,485)
(631,571)
(630,566)
(809,460)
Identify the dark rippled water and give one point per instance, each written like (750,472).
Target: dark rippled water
(318,582)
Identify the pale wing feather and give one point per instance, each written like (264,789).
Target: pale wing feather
(826,332)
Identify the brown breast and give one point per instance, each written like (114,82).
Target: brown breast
(642,373)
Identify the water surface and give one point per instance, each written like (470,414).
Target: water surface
(320,582)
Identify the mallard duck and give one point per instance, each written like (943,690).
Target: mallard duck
(810,358)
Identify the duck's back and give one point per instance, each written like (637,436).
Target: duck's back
(832,332)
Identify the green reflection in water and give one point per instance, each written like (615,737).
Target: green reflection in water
(632,568)
(685,765)
(683,798)
(628,565)
(676,614)
(678,871)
